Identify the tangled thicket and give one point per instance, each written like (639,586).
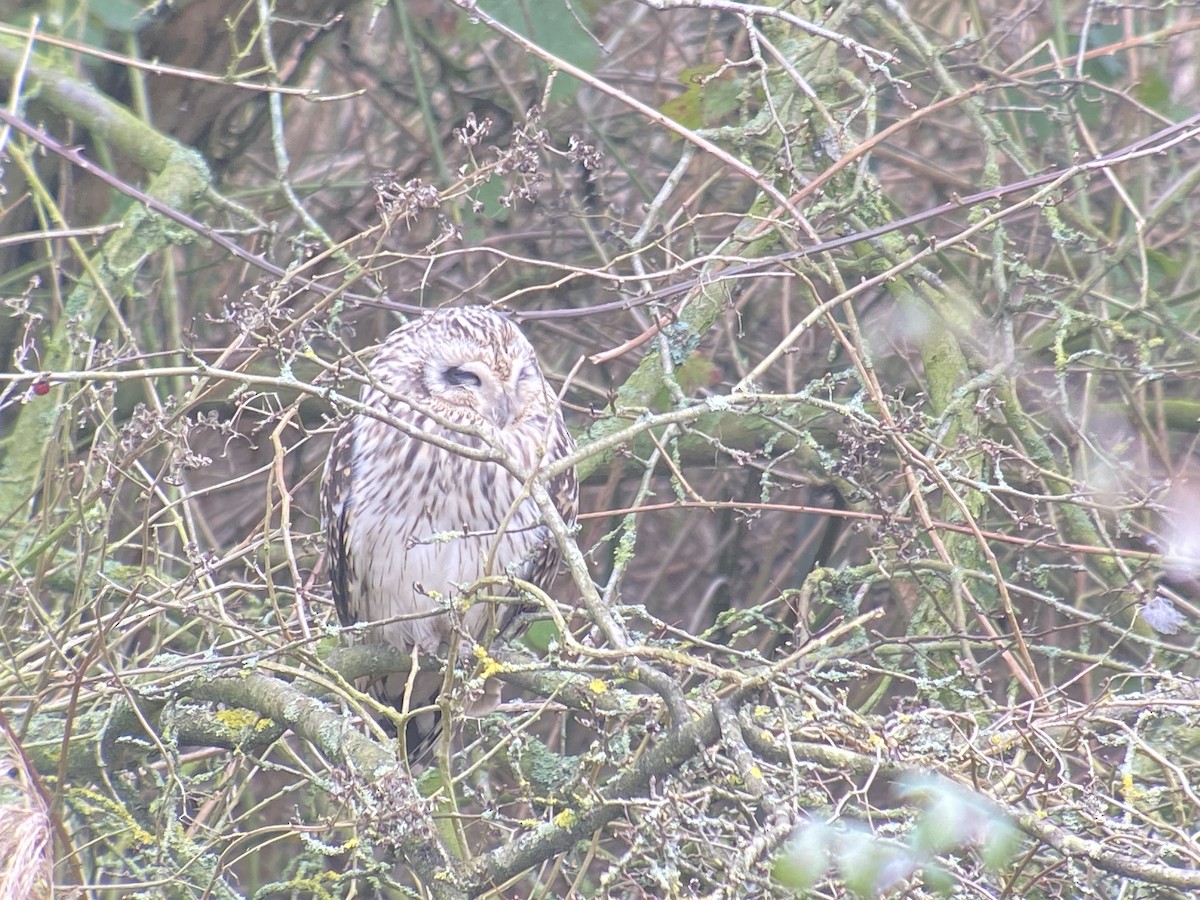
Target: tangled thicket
(875,322)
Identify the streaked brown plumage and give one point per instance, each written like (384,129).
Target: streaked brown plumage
(411,524)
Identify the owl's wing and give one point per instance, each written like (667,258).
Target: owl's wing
(337,504)
(564,491)
(337,509)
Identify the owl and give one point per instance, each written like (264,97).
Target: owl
(411,524)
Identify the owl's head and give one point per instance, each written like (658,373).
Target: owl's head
(478,367)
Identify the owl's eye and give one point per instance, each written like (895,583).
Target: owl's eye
(457,377)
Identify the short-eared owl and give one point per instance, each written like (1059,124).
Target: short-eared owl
(410,523)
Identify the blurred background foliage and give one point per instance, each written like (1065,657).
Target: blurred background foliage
(879,322)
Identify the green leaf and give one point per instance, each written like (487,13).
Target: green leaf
(1163,267)
(805,858)
(705,100)
(1109,68)
(124,16)
(540,635)
(555,27)
(488,195)
(1154,92)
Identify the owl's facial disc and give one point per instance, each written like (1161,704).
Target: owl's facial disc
(471,383)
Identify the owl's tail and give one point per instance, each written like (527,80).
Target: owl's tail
(417,695)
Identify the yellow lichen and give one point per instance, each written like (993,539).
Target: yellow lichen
(489,665)
(137,832)
(237,719)
(1128,789)
(597,686)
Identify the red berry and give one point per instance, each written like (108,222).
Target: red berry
(41,388)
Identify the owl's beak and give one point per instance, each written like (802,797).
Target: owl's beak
(502,411)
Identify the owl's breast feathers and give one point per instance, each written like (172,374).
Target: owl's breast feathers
(411,523)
